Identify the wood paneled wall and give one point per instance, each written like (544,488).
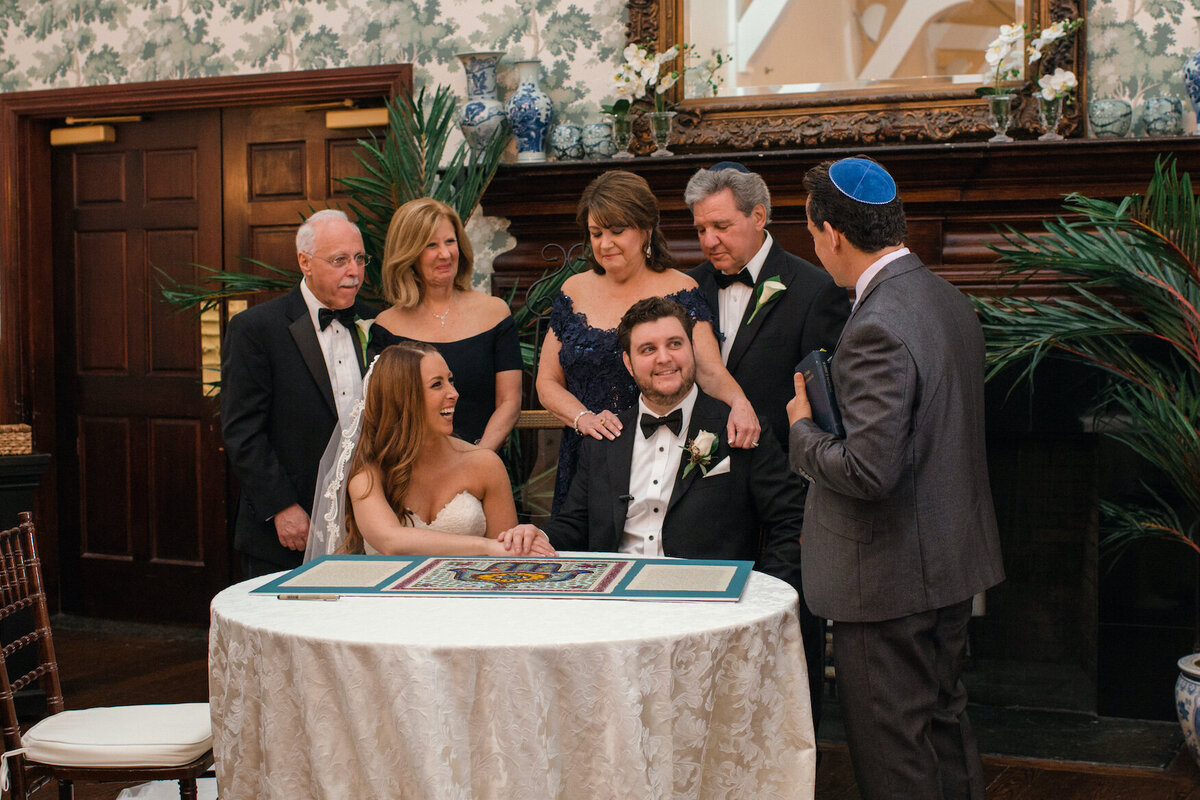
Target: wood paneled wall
(955,195)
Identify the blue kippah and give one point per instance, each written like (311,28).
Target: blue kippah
(733,165)
(863,180)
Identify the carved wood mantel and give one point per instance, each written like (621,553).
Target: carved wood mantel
(956,198)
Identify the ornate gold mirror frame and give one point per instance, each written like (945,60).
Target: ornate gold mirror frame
(848,118)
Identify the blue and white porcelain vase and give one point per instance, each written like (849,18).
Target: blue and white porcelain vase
(530,111)
(1187,700)
(1191,76)
(1162,116)
(483,113)
(1110,117)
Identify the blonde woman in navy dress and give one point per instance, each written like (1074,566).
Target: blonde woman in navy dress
(427,267)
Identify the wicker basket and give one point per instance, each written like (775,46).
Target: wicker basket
(15,440)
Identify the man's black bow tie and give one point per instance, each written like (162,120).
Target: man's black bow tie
(343,315)
(725,280)
(674,421)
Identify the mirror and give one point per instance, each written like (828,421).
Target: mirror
(856,45)
(845,106)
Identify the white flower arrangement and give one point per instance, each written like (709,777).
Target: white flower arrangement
(643,72)
(1004,58)
(1059,84)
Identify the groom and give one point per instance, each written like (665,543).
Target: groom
(676,487)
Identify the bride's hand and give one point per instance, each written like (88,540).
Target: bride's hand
(526,540)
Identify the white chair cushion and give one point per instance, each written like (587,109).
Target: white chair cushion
(122,736)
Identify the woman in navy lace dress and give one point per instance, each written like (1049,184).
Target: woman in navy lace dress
(581,377)
(427,263)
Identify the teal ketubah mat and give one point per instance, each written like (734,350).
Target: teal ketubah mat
(606,578)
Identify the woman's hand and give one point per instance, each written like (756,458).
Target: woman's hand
(743,428)
(603,425)
(525,540)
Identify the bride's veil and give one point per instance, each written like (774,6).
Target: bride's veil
(327,525)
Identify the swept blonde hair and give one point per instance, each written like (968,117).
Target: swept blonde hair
(412,227)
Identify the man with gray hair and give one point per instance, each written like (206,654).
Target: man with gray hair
(290,369)
(771,308)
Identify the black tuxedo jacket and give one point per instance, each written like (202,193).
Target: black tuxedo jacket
(807,316)
(277,414)
(719,516)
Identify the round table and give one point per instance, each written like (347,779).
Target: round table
(448,697)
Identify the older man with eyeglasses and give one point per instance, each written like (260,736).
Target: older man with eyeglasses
(291,368)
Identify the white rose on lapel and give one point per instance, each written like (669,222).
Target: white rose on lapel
(771,288)
(700,452)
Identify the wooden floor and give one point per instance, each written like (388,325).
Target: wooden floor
(113,667)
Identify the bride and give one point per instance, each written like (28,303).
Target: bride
(413,488)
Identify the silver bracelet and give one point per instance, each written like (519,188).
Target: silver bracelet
(575,422)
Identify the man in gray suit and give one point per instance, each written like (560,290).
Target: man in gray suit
(899,528)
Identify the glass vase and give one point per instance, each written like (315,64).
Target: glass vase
(1050,114)
(622,132)
(1000,116)
(660,131)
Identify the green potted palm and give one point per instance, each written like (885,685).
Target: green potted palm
(1134,269)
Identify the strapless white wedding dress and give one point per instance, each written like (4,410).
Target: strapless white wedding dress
(463,515)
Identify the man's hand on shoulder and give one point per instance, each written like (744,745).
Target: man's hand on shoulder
(291,525)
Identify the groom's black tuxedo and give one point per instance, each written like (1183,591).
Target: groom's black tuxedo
(277,414)
(807,316)
(718,516)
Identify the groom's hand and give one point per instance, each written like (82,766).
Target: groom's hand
(291,526)
(526,540)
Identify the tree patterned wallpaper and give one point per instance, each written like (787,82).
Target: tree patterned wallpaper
(1136,47)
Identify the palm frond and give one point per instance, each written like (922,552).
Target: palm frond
(1135,315)
(223,285)
(1126,524)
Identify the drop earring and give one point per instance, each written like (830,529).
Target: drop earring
(647,251)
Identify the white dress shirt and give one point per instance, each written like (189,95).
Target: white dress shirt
(656,462)
(870,272)
(339,346)
(734,299)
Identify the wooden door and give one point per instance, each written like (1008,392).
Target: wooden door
(281,165)
(142,492)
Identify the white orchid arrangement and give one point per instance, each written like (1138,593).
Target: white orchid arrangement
(700,452)
(1005,58)
(1061,82)
(643,72)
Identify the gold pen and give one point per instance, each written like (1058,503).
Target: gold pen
(308,596)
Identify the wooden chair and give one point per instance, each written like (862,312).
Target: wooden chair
(123,743)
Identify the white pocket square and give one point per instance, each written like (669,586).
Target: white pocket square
(719,469)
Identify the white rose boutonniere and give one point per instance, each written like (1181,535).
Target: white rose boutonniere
(700,452)
(767,291)
(364,334)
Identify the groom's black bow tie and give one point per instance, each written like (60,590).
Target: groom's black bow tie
(674,421)
(725,280)
(343,315)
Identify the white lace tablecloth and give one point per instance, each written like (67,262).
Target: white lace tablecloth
(446,698)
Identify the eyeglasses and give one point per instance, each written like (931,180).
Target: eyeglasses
(341,262)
